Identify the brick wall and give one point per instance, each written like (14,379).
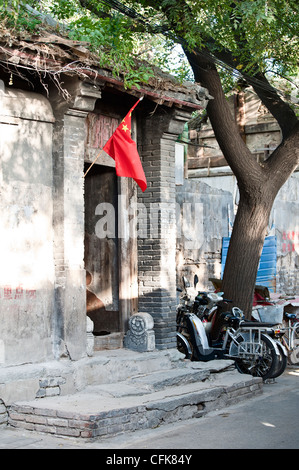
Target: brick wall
(156,251)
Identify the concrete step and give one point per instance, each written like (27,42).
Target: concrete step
(170,378)
(143,384)
(141,401)
(65,377)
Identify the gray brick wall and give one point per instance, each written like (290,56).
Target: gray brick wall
(156,251)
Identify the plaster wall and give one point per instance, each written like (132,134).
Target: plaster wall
(283,223)
(26,233)
(203,218)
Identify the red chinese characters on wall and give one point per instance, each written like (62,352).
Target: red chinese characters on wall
(10,293)
(290,241)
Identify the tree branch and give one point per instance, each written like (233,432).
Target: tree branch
(234,149)
(279,109)
(89,5)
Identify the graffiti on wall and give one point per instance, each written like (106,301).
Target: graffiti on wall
(290,241)
(10,293)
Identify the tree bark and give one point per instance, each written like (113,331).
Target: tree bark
(244,251)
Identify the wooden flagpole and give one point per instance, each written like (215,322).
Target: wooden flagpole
(93,162)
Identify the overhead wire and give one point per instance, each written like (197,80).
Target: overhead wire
(133,14)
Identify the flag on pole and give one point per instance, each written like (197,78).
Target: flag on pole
(123,150)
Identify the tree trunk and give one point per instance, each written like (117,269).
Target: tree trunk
(257,196)
(244,251)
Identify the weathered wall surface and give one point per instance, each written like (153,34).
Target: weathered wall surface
(42,275)
(286,224)
(69,134)
(219,198)
(203,219)
(26,233)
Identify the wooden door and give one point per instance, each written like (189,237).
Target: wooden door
(101,249)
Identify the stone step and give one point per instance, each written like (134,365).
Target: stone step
(140,402)
(108,342)
(142,384)
(170,378)
(181,373)
(29,381)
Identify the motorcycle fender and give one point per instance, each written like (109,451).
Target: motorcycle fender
(201,336)
(202,350)
(273,343)
(182,337)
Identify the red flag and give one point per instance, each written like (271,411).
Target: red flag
(123,150)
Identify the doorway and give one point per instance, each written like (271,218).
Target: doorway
(101,255)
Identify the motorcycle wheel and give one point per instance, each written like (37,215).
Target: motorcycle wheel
(282,362)
(182,348)
(265,366)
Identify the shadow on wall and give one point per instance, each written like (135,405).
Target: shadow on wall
(31,322)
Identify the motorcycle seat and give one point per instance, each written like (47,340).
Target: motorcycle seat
(290,315)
